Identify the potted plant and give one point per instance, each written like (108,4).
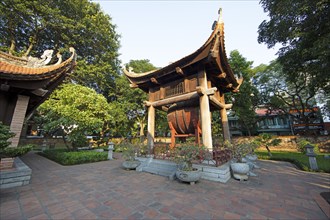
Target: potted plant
(184,156)
(8,154)
(129,152)
(239,168)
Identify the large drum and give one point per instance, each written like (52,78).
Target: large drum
(183,119)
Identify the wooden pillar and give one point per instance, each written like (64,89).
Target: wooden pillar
(205,114)
(224,120)
(17,121)
(151,128)
(151,123)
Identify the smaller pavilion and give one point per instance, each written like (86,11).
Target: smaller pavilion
(27,82)
(189,89)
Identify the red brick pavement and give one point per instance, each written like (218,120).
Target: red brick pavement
(104,190)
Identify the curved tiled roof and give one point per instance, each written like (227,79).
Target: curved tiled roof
(19,71)
(211,56)
(16,77)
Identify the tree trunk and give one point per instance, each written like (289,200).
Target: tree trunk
(12,47)
(269,153)
(29,49)
(142,125)
(65,143)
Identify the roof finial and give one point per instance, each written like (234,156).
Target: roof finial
(220,16)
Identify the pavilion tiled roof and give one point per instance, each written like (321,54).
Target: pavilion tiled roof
(18,77)
(211,57)
(12,67)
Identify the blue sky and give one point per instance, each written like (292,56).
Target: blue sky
(165,31)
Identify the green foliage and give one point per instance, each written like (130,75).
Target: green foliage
(129,102)
(5,150)
(185,154)
(240,150)
(129,150)
(267,140)
(65,157)
(30,27)
(246,100)
(299,159)
(16,151)
(140,66)
(303,29)
(79,111)
(280,94)
(5,134)
(301,145)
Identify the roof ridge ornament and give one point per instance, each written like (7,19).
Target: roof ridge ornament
(220,20)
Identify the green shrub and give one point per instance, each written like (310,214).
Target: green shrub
(16,151)
(298,159)
(302,146)
(5,134)
(65,157)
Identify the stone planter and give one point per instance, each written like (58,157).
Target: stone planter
(131,164)
(240,171)
(19,175)
(188,176)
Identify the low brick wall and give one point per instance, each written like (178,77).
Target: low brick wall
(19,176)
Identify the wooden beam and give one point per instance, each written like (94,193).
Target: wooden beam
(147,103)
(154,80)
(40,92)
(179,71)
(133,85)
(218,104)
(203,91)
(180,98)
(222,75)
(240,81)
(165,109)
(229,86)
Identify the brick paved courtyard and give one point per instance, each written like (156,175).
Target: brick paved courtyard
(104,190)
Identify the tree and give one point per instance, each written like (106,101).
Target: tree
(246,101)
(303,29)
(282,95)
(78,111)
(30,27)
(131,100)
(267,140)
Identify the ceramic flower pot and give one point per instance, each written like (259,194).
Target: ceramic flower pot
(131,164)
(240,170)
(188,176)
